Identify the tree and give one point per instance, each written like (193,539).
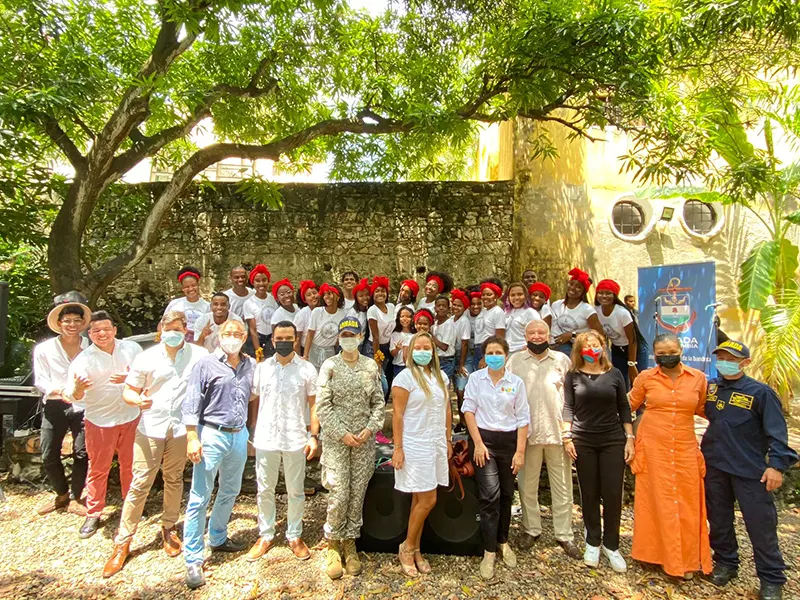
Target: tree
(105,85)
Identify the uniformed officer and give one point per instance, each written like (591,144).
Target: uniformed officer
(746,451)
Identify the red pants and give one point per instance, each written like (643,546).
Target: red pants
(101,443)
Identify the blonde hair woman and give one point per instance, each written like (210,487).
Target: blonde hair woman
(422,424)
(598,435)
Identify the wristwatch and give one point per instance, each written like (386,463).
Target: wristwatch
(631,363)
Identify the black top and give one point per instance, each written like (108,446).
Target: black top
(597,405)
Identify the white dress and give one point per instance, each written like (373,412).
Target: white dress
(424,436)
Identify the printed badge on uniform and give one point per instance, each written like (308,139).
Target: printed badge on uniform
(741,400)
(711,396)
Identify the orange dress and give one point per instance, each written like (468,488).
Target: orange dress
(669,522)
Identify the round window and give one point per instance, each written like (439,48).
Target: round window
(699,216)
(628,218)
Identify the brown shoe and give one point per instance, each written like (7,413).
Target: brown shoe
(300,549)
(259,549)
(77,507)
(571,550)
(117,560)
(57,503)
(172,543)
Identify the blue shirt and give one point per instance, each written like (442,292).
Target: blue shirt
(217,393)
(747,430)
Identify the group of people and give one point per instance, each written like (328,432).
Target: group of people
(308,371)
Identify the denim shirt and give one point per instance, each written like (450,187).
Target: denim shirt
(217,393)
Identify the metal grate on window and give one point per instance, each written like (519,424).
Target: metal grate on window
(628,218)
(699,216)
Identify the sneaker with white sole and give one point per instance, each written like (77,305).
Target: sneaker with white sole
(591,556)
(617,561)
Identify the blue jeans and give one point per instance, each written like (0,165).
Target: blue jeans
(477,356)
(447,364)
(397,369)
(564,348)
(460,382)
(225,453)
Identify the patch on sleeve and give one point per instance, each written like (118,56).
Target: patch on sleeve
(711,395)
(741,400)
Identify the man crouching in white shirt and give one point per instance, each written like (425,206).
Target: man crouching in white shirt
(285,388)
(156,385)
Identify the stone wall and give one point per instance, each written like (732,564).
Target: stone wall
(395,229)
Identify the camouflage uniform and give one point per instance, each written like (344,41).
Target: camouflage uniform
(348,400)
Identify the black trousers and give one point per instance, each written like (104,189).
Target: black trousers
(496,486)
(60,417)
(601,472)
(760,518)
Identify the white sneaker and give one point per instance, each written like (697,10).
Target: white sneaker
(591,556)
(509,558)
(616,560)
(487,565)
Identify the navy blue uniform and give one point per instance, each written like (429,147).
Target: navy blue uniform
(746,434)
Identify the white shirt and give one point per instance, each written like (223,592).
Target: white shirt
(261,310)
(517,320)
(472,319)
(501,407)
(615,323)
(50,367)
(165,382)
(398,306)
(283,400)
(424,418)
(103,401)
(236,302)
(463,331)
(281,314)
(348,304)
(545,311)
(301,321)
(386,321)
(429,305)
(544,387)
(402,338)
(211,342)
(360,316)
(446,334)
(488,322)
(325,326)
(570,319)
(192,310)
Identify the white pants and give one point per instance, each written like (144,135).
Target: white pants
(294,472)
(559,472)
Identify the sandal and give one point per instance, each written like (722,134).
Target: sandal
(423,566)
(409,568)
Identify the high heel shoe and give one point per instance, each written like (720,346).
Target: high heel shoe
(423,566)
(409,568)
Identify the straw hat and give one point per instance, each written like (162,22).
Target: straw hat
(63,301)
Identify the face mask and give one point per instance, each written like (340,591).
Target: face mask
(590,355)
(350,344)
(538,348)
(495,361)
(422,357)
(173,339)
(231,345)
(669,361)
(284,348)
(728,368)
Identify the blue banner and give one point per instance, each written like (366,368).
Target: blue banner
(680,299)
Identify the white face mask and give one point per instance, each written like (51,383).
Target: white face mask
(350,344)
(230,345)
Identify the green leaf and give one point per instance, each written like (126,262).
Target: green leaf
(758,276)
(793,217)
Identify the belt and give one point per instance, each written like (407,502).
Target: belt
(221,428)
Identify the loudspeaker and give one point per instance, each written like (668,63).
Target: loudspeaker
(454,525)
(3,320)
(385,515)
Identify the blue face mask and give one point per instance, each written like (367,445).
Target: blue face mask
(728,368)
(422,357)
(495,361)
(172,339)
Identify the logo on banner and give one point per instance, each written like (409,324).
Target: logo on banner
(675,312)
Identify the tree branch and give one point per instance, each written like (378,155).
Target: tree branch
(61,139)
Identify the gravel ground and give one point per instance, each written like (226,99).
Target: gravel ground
(42,558)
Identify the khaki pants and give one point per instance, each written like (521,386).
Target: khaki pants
(148,455)
(559,472)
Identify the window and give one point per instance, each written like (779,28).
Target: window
(628,218)
(699,216)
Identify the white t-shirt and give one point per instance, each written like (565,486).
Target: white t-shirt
(301,321)
(471,319)
(261,310)
(446,334)
(281,314)
(488,322)
(211,342)
(429,305)
(517,320)
(192,310)
(325,326)
(236,302)
(360,316)
(386,322)
(545,311)
(398,306)
(348,304)
(615,323)
(463,331)
(570,319)
(403,338)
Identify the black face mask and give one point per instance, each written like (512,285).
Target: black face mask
(668,361)
(284,348)
(538,348)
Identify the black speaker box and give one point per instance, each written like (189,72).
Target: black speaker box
(385,515)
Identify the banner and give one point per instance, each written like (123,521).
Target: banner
(680,299)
